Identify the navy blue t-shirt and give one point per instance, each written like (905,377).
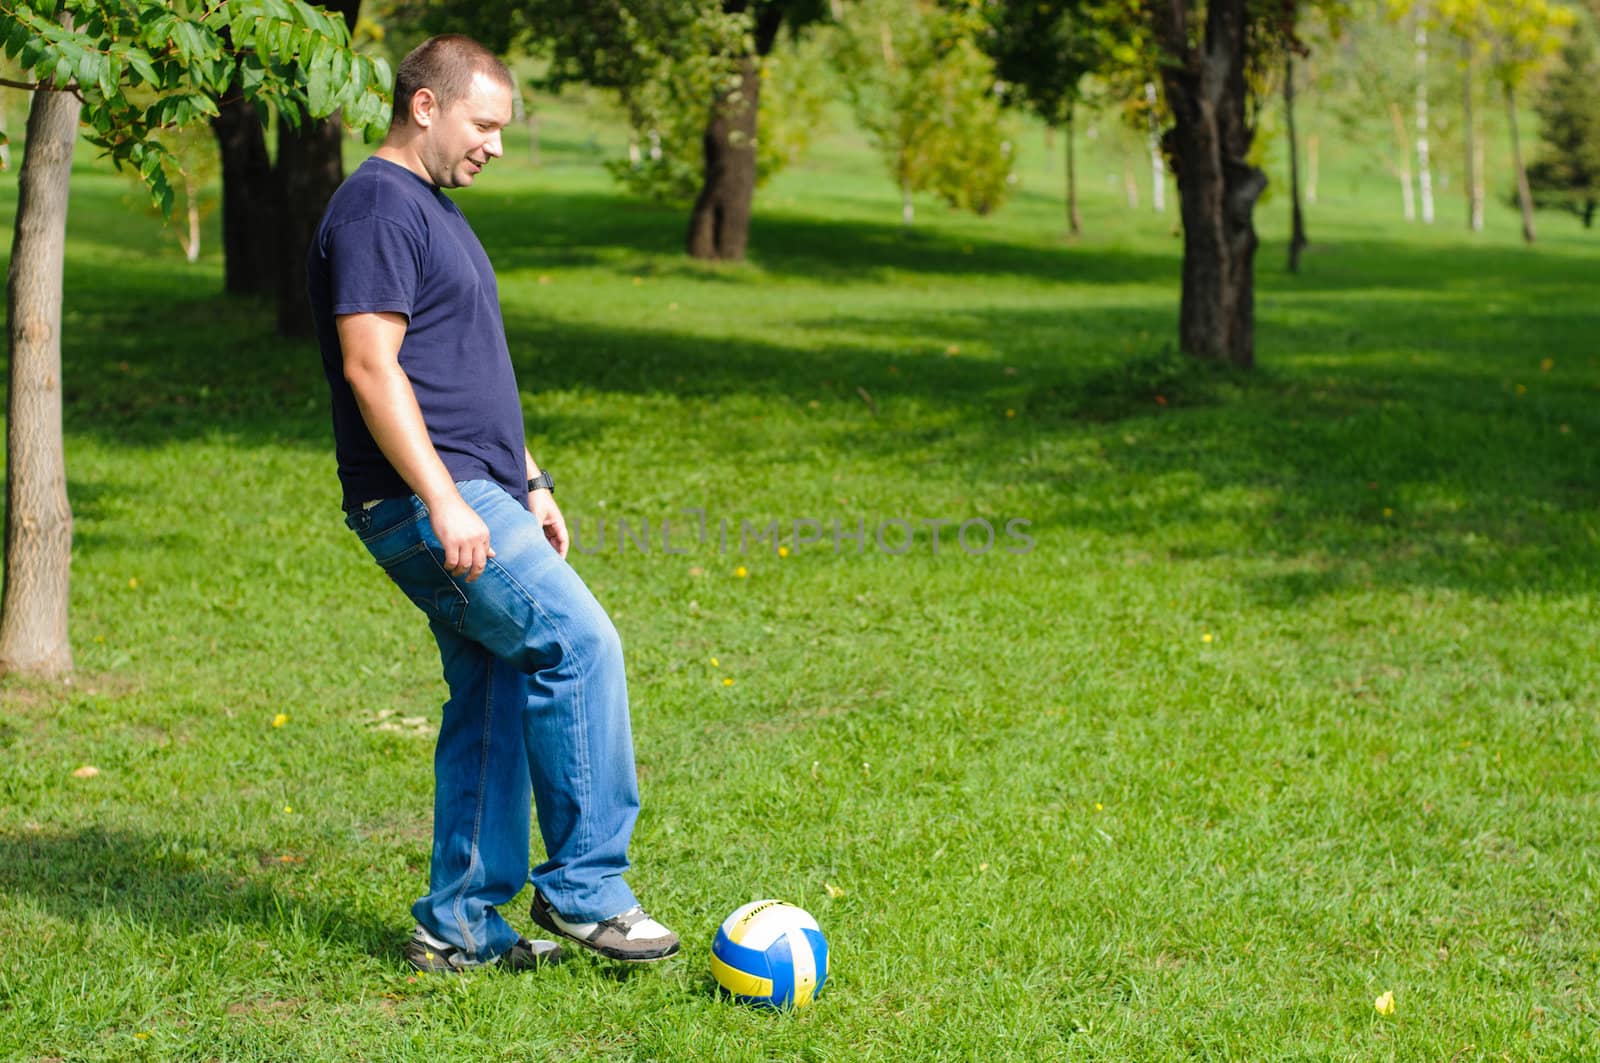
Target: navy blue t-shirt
(391,241)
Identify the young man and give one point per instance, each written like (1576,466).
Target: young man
(440,487)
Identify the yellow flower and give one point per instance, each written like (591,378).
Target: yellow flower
(1206,637)
(133,582)
(1011,413)
(714,663)
(727,681)
(1098,807)
(1384,1005)
(1547,365)
(280,719)
(1387,512)
(833,891)
(288,808)
(741,572)
(783,551)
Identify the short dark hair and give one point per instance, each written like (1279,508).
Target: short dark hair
(445,65)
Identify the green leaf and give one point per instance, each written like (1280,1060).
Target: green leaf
(139,60)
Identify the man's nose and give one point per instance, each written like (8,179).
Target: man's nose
(493,148)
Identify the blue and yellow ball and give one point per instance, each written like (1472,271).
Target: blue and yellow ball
(770,954)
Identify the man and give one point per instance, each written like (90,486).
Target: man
(439,485)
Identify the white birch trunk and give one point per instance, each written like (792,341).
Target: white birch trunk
(1424,169)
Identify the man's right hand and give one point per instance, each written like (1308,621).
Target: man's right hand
(464,536)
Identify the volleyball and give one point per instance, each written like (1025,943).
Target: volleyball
(770,954)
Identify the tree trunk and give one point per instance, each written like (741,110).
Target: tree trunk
(309,170)
(249,211)
(1403,154)
(33,614)
(1074,220)
(1424,167)
(1297,222)
(1217,185)
(1470,135)
(719,227)
(1524,195)
(1158,171)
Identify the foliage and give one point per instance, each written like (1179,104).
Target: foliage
(143,67)
(1567,173)
(667,61)
(1044,50)
(927,97)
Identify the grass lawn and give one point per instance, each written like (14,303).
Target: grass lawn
(1292,702)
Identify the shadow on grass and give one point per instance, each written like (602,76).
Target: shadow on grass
(172,884)
(1403,429)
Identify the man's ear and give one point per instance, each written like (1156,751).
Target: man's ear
(424,107)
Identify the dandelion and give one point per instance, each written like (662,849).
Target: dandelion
(280,719)
(833,891)
(133,582)
(727,680)
(1098,807)
(1384,1005)
(1387,512)
(1206,637)
(715,663)
(783,551)
(741,572)
(288,809)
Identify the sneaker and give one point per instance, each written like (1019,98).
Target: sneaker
(427,953)
(631,936)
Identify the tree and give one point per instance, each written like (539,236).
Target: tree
(925,93)
(271,209)
(1207,72)
(1567,173)
(688,74)
(131,69)
(1522,35)
(1043,51)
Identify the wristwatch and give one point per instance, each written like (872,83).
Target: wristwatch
(542,480)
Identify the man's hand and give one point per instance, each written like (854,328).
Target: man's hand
(542,504)
(464,536)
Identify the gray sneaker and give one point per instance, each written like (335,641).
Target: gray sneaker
(427,953)
(631,935)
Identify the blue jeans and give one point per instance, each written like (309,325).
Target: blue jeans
(537,716)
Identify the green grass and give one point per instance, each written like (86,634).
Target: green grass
(1292,703)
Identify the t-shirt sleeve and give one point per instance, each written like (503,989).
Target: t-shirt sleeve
(375,265)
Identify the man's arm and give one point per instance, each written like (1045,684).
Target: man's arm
(542,504)
(371,346)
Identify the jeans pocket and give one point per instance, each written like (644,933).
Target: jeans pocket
(421,575)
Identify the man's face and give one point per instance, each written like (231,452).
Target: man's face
(460,141)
